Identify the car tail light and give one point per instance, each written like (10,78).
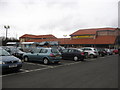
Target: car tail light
(82,53)
(52,55)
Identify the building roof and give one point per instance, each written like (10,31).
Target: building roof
(98,40)
(38,36)
(90,31)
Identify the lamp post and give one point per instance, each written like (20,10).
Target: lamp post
(64,39)
(6,27)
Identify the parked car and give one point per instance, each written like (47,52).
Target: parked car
(45,55)
(102,52)
(60,48)
(19,54)
(109,51)
(9,62)
(92,52)
(73,53)
(15,51)
(115,51)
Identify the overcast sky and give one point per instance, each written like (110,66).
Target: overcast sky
(57,17)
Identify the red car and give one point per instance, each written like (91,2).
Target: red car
(115,51)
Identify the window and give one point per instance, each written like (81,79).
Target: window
(70,51)
(65,50)
(76,51)
(54,51)
(87,49)
(35,50)
(43,51)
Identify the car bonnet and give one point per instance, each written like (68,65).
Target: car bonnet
(8,58)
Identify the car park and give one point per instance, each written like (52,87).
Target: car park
(73,53)
(9,62)
(92,52)
(45,55)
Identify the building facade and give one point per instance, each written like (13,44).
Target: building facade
(96,37)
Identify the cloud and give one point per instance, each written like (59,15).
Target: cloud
(56,17)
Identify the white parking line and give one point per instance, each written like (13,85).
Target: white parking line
(37,64)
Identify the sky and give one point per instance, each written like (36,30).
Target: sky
(57,17)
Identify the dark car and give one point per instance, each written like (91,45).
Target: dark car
(15,51)
(9,62)
(109,51)
(73,53)
(102,52)
(19,54)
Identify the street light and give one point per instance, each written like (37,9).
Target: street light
(6,27)
(64,39)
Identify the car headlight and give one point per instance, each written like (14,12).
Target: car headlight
(19,61)
(1,62)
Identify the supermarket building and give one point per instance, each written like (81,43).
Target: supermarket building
(96,37)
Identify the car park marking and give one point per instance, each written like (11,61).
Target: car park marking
(37,64)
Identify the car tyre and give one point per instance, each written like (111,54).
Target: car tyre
(91,56)
(75,58)
(45,61)
(26,59)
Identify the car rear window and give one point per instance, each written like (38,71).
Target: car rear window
(54,51)
(43,51)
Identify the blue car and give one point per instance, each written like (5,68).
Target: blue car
(9,62)
(45,55)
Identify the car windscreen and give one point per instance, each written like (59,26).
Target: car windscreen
(54,51)
(80,50)
(95,49)
(4,53)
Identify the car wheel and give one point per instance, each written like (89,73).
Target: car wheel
(75,58)
(91,56)
(26,59)
(45,61)
(100,55)
(86,56)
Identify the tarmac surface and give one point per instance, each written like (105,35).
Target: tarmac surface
(101,72)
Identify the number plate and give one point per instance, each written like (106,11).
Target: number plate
(11,66)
